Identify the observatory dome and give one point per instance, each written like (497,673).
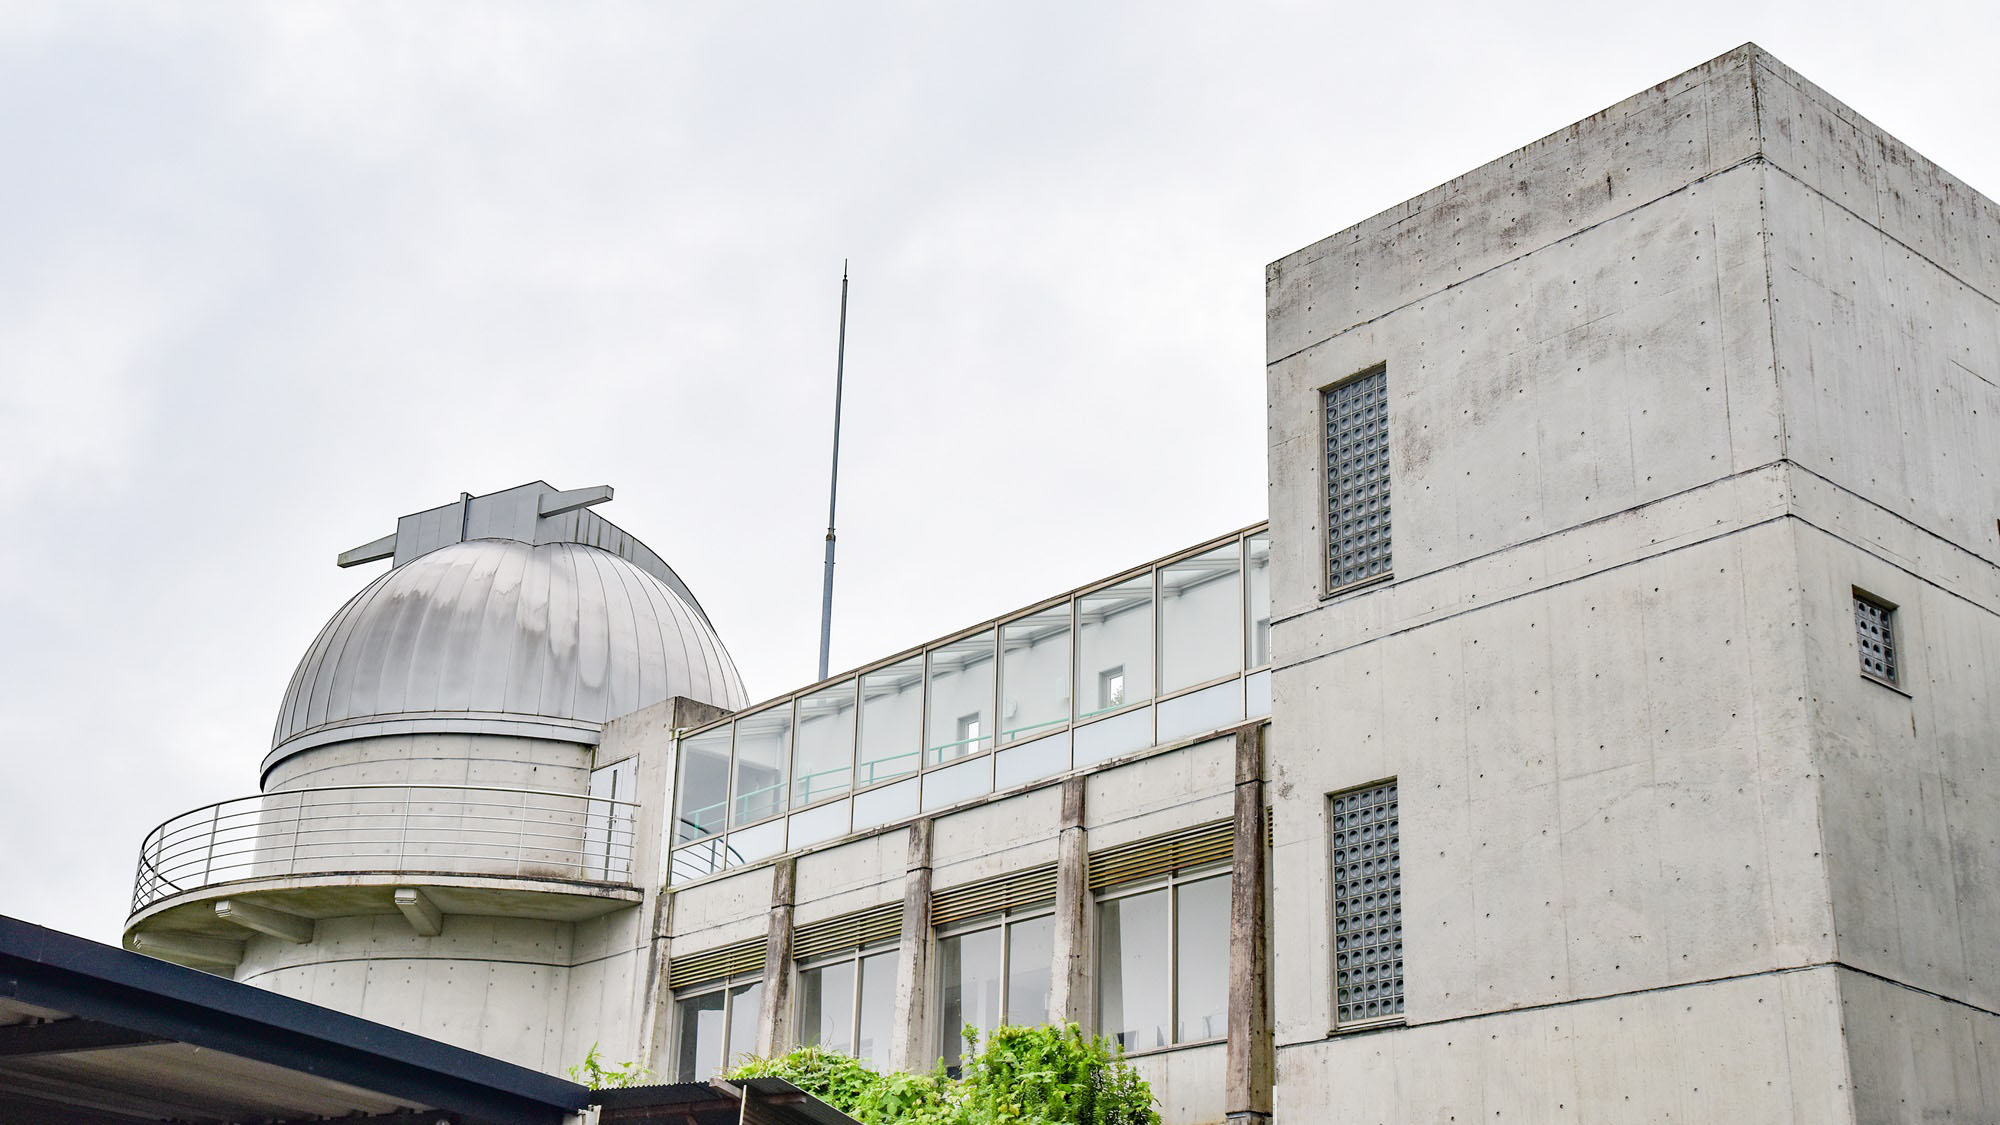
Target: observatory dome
(495,635)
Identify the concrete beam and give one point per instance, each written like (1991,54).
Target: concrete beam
(774,1018)
(279,924)
(1069,979)
(1249,1065)
(418,909)
(910,1046)
(189,948)
(382,548)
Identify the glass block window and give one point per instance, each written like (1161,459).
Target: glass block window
(1357,478)
(1367,905)
(1875,625)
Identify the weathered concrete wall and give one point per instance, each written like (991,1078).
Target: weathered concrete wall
(1187,1081)
(1764,1049)
(439,759)
(1917,1057)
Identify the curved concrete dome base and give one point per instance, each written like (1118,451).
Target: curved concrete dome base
(551,636)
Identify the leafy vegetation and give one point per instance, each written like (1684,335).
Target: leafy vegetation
(592,1072)
(1024,1076)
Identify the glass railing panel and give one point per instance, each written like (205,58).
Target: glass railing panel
(823,761)
(704,784)
(763,750)
(1034,674)
(960,700)
(1114,647)
(1257,599)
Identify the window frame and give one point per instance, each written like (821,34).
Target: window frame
(1326,392)
(1891,626)
(1003,920)
(728,987)
(1170,883)
(856,956)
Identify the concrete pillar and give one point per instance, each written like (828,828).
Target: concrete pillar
(774,1032)
(1247,1090)
(1069,977)
(911,1048)
(656,1021)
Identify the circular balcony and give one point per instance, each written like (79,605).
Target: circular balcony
(341,850)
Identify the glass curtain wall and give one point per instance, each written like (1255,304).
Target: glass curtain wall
(1163,962)
(993,973)
(1153,655)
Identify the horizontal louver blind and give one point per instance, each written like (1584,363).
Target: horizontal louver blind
(715,964)
(1007,892)
(1162,855)
(849,931)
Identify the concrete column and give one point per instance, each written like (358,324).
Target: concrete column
(656,1021)
(774,1032)
(1069,976)
(1247,1090)
(911,1048)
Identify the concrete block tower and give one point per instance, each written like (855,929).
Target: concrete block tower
(1636,596)
(446,840)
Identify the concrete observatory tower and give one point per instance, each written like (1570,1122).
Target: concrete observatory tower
(440,842)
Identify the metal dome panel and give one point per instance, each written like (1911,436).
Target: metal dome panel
(502,636)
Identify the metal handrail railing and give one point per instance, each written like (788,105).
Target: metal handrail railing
(444,829)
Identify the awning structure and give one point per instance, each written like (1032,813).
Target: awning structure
(94,1035)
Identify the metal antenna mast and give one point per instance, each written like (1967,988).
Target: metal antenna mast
(833,491)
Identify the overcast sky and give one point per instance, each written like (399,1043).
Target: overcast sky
(273,274)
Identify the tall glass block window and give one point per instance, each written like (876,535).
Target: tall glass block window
(1114,647)
(1357,478)
(704,785)
(1163,961)
(961,698)
(1257,599)
(763,751)
(714,1029)
(1367,905)
(1034,674)
(993,972)
(847,1004)
(892,702)
(1201,617)
(823,762)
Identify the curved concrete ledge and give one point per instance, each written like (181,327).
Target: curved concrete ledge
(193,915)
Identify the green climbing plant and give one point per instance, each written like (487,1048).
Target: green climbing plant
(1051,1075)
(593,1072)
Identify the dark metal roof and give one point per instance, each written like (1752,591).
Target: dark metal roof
(90,1033)
(717,1103)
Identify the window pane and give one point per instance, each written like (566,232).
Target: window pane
(1132,970)
(1357,478)
(826,1007)
(699,1054)
(891,705)
(1201,618)
(969,976)
(1875,625)
(763,746)
(878,1009)
(1201,927)
(704,787)
(961,698)
(1114,647)
(1031,948)
(823,765)
(743,1004)
(1259,596)
(1034,674)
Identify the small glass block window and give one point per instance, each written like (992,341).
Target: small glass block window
(1357,478)
(1367,905)
(1875,626)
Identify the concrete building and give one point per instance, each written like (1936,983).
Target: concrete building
(1602,728)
